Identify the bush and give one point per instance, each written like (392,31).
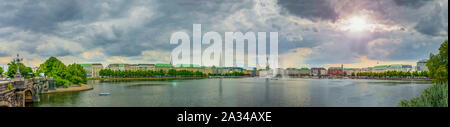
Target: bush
(62,82)
(9,86)
(434,96)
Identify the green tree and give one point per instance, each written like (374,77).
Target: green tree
(52,67)
(172,72)
(1,71)
(437,94)
(12,70)
(439,63)
(76,74)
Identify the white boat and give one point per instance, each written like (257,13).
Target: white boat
(103,94)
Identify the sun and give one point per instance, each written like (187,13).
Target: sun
(356,24)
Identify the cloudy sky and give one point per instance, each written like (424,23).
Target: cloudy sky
(311,32)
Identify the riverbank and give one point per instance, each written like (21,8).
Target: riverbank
(82,87)
(145,79)
(402,79)
(363,78)
(212,77)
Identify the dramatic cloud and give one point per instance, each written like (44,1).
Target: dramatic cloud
(311,9)
(412,3)
(316,32)
(431,24)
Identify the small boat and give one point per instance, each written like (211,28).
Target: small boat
(103,94)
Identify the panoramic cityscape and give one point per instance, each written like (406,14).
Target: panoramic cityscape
(202,53)
(93,69)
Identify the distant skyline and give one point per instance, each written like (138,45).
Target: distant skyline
(311,32)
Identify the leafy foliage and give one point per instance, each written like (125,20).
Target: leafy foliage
(1,71)
(230,74)
(434,96)
(12,70)
(52,67)
(437,94)
(64,75)
(76,74)
(395,74)
(9,86)
(438,64)
(149,73)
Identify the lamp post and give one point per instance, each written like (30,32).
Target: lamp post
(18,60)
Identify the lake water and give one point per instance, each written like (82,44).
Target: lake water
(243,92)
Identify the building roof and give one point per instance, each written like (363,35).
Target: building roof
(187,65)
(163,65)
(380,66)
(146,64)
(406,66)
(304,69)
(334,68)
(396,66)
(86,64)
(116,65)
(97,64)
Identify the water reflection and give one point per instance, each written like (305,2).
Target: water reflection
(240,92)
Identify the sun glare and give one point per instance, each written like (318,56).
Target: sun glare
(356,24)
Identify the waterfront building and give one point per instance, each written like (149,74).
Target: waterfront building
(368,69)
(380,68)
(88,69)
(92,70)
(254,72)
(291,72)
(96,68)
(395,67)
(304,71)
(220,70)
(335,71)
(131,67)
(406,68)
(350,71)
(421,65)
(194,68)
(265,73)
(145,67)
(318,71)
(164,67)
(117,67)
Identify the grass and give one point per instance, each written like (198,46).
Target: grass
(434,96)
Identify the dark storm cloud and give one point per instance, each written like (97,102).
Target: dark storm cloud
(412,3)
(311,9)
(41,16)
(431,24)
(152,33)
(129,27)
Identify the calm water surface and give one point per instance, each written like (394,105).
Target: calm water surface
(246,92)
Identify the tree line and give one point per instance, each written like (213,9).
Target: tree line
(149,73)
(229,74)
(394,74)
